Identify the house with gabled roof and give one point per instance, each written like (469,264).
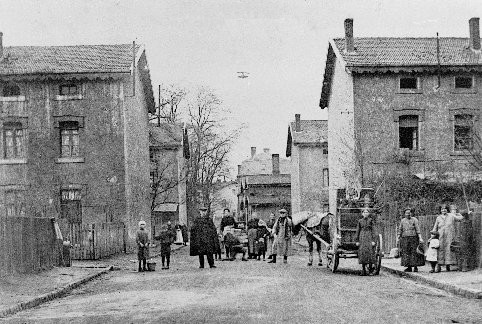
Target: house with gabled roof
(307,146)
(402,103)
(74,134)
(168,175)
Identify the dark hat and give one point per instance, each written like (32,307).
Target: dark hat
(283,211)
(203,208)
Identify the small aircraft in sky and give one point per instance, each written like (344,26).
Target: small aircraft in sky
(242,75)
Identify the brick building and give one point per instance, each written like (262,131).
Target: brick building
(410,103)
(74,137)
(308,148)
(264,185)
(167,175)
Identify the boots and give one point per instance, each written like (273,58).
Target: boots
(144,265)
(320,262)
(273,259)
(447,267)
(140,268)
(364,270)
(310,260)
(438,268)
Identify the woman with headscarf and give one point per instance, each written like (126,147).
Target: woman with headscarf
(445,226)
(409,237)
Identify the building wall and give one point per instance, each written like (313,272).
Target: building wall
(99,174)
(378,104)
(340,131)
(136,163)
(313,192)
(225,196)
(295,179)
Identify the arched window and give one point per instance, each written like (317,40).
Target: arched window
(11,90)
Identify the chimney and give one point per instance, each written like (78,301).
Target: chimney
(239,169)
(474,34)
(253,151)
(266,150)
(349,45)
(297,123)
(1,45)
(275,160)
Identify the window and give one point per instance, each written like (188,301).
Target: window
(11,90)
(408,132)
(463,132)
(463,82)
(326,178)
(70,205)
(14,203)
(408,83)
(69,89)
(13,141)
(325,148)
(69,139)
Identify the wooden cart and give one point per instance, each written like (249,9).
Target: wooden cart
(343,227)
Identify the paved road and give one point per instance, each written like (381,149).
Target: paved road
(253,292)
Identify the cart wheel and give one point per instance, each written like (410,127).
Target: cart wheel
(379,255)
(335,261)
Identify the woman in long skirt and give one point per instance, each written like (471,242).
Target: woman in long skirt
(365,240)
(409,237)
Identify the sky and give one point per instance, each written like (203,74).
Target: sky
(282,44)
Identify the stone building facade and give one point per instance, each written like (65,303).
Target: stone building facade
(401,103)
(308,148)
(264,185)
(168,175)
(73,133)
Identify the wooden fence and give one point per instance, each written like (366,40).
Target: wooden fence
(95,241)
(28,244)
(389,232)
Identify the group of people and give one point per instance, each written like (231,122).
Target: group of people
(443,248)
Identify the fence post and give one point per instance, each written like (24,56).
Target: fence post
(93,241)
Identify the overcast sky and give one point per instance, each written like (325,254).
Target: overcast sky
(282,44)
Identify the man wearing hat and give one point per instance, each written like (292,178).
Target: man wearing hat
(283,231)
(204,238)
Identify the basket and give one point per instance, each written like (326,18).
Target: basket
(151,266)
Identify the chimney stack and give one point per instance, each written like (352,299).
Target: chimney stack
(349,45)
(253,151)
(297,123)
(1,45)
(239,169)
(275,160)
(474,34)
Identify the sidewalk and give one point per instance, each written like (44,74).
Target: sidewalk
(25,291)
(465,284)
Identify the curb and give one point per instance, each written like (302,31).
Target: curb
(51,295)
(456,290)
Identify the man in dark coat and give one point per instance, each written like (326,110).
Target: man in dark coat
(204,238)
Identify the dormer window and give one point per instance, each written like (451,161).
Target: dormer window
(69,89)
(408,83)
(463,82)
(11,90)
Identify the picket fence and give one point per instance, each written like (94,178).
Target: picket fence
(95,241)
(28,244)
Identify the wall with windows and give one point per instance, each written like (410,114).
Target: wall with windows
(427,121)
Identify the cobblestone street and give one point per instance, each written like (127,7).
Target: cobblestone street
(252,292)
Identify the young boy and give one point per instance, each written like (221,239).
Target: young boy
(166,238)
(142,240)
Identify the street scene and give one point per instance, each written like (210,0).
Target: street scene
(240,162)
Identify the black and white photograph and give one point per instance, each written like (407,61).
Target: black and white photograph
(240,161)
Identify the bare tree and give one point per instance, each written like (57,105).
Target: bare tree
(210,144)
(171,100)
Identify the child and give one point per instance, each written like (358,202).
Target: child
(166,237)
(433,245)
(219,247)
(142,240)
(261,248)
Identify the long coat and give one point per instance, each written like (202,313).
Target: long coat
(142,237)
(204,237)
(283,228)
(365,235)
(445,226)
